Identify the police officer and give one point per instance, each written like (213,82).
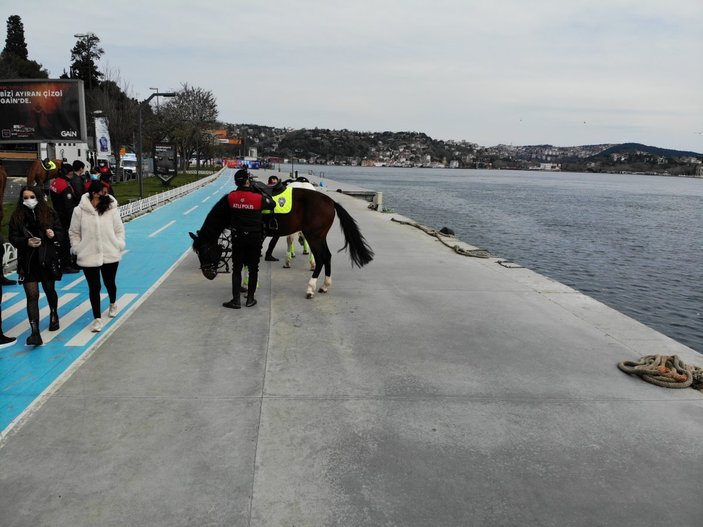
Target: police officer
(247,224)
(276,186)
(63,201)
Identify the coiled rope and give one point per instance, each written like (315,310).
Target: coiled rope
(474,253)
(667,371)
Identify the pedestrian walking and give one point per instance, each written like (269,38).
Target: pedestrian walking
(78,181)
(247,227)
(97,237)
(34,228)
(63,201)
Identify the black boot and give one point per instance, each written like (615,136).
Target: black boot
(251,301)
(53,320)
(5,340)
(235,303)
(35,338)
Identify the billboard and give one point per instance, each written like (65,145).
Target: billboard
(102,138)
(165,161)
(42,111)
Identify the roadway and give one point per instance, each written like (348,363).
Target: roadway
(425,389)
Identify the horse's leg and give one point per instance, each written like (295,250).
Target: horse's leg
(289,251)
(317,249)
(322,256)
(327,262)
(306,250)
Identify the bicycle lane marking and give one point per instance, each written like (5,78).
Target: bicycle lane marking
(28,373)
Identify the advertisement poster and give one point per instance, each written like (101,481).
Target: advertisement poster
(102,138)
(42,111)
(165,161)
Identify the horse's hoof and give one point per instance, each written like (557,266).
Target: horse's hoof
(309,295)
(322,290)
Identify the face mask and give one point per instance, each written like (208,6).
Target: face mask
(30,203)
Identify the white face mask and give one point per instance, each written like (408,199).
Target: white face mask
(30,203)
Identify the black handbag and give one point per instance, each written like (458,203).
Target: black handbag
(50,259)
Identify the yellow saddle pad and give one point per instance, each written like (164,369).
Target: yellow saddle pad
(284,202)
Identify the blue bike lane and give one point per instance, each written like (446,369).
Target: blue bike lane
(156,242)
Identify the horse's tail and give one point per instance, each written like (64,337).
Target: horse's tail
(359,251)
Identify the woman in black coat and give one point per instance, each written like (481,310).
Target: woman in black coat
(33,227)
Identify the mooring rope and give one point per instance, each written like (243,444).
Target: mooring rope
(667,371)
(474,253)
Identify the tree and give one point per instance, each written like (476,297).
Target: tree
(14,42)
(186,117)
(113,100)
(14,61)
(84,55)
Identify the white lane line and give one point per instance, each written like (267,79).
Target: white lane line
(7,296)
(190,210)
(17,307)
(70,318)
(162,228)
(74,283)
(44,312)
(84,335)
(216,192)
(206,199)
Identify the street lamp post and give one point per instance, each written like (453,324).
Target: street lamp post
(157,99)
(139,144)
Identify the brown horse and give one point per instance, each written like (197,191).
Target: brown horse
(312,212)
(38,175)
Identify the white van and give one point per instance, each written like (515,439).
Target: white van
(128,164)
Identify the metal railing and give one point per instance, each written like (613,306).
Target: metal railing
(133,209)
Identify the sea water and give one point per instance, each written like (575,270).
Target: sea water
(633,242)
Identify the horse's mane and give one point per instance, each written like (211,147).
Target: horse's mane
(216,221)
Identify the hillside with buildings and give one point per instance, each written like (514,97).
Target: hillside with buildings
(415,149)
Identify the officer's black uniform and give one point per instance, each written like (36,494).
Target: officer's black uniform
(276,186)
(246,223)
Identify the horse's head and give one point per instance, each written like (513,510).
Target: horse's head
(208,253)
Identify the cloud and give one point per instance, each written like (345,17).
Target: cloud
(488,72)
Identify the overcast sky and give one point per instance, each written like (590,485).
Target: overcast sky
(563,72)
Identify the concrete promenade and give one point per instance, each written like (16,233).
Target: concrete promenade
(427,389)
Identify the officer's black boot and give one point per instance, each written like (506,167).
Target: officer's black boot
(53,320)
(35,338)
(235,303)
(253,282)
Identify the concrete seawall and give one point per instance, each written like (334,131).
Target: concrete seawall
(427,388)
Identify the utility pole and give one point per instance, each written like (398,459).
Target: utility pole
(139,143)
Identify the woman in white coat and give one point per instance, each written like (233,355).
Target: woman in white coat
(98,239)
